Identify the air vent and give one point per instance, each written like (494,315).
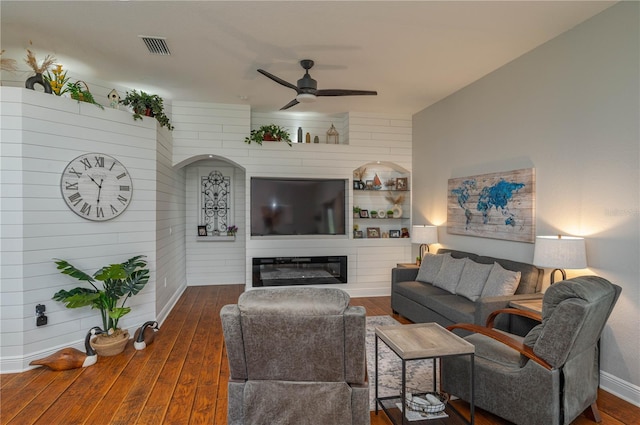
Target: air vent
(156,45)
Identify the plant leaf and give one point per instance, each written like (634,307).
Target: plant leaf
(69,269)
(118,312)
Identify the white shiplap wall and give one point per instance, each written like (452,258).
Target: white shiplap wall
(204,129)
(170,227)
(40,135)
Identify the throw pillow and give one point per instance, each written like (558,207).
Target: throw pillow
(430,267)
(474,276)
(449,274)
(500,282)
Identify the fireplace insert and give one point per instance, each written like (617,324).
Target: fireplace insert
(285,271)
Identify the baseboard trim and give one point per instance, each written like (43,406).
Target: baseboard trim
(162,315)
(621,389)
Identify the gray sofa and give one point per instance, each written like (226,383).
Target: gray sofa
(423,302)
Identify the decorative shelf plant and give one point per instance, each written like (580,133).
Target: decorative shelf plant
(149,105)
(271,133)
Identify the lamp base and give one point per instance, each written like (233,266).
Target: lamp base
(553,273)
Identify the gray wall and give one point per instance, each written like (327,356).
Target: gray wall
(570,110)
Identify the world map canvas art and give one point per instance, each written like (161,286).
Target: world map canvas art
(495,205)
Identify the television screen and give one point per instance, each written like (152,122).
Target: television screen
(298,206)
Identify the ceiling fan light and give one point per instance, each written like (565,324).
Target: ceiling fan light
(306,98)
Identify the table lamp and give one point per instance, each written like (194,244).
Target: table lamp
(424,235)
(560,252)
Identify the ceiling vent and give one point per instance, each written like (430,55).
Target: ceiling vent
(156,45)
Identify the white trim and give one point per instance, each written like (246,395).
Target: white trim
(619,388)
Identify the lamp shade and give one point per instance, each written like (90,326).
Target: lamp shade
(561,252)
(424,234)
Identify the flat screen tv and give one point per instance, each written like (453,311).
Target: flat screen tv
(298,206)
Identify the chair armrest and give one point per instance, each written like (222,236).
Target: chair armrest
(514,311)
(505,339)
(403,274)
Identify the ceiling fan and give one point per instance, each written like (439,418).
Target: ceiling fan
(307,88)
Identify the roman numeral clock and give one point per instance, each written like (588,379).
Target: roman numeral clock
(96,186)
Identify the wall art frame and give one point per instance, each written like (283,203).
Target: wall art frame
(495,205)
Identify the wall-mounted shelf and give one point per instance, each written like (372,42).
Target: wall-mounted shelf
(215,238)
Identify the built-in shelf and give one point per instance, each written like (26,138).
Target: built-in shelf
(215,238)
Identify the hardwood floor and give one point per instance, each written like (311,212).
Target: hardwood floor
(180,379)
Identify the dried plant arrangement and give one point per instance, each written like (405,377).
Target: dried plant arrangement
(359,172)
(7,64)
(33,63)
(395,199)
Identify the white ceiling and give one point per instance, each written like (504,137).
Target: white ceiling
(413,53)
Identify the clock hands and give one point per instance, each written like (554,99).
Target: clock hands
(99,187)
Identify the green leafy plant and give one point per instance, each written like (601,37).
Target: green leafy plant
(82,94)
(268,132)
(118,280)
(150,105)
(356,210)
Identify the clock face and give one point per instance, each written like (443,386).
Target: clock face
(96,187)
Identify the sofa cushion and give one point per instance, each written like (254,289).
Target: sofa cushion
(472,280)
(454,307)
(419,292)
(500,282)
(430,267)
(449,274)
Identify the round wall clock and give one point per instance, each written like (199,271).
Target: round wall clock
(96,186)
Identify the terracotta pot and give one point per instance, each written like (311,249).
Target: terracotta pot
(269,138)
(110,345)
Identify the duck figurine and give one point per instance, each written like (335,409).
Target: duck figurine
(145,334)
(71,358)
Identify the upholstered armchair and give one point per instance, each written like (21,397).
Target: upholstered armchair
(551,376)
(296,356)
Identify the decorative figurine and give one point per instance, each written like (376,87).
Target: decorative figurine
(114,99)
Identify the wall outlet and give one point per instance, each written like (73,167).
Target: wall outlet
(41,319)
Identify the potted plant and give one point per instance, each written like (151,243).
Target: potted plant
(232,230)
(269,132)
(119,281)
(81,94)
(150,105)
(356,212)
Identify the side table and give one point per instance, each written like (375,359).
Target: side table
(417,342)
(407,266)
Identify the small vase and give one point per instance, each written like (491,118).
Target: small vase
(397,211)
(38,79)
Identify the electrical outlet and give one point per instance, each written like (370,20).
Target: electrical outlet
(41,319)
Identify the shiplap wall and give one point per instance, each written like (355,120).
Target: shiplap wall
(170,229)
(204,129)
(40,135)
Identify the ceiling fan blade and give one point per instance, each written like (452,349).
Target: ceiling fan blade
(344,92)
(294,102)
(278,79)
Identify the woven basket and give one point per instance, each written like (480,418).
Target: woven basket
(80,96)
(419,407)
(110,346)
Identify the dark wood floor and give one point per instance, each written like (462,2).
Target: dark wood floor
(180,379)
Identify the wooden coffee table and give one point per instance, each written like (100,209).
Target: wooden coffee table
(417,342)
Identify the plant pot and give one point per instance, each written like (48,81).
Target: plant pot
(38,79)
(269,138)
(110,345)
(147,112)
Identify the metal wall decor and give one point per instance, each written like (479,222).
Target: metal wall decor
(216,202)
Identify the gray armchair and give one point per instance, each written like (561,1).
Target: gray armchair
(551,376)
(296,356)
